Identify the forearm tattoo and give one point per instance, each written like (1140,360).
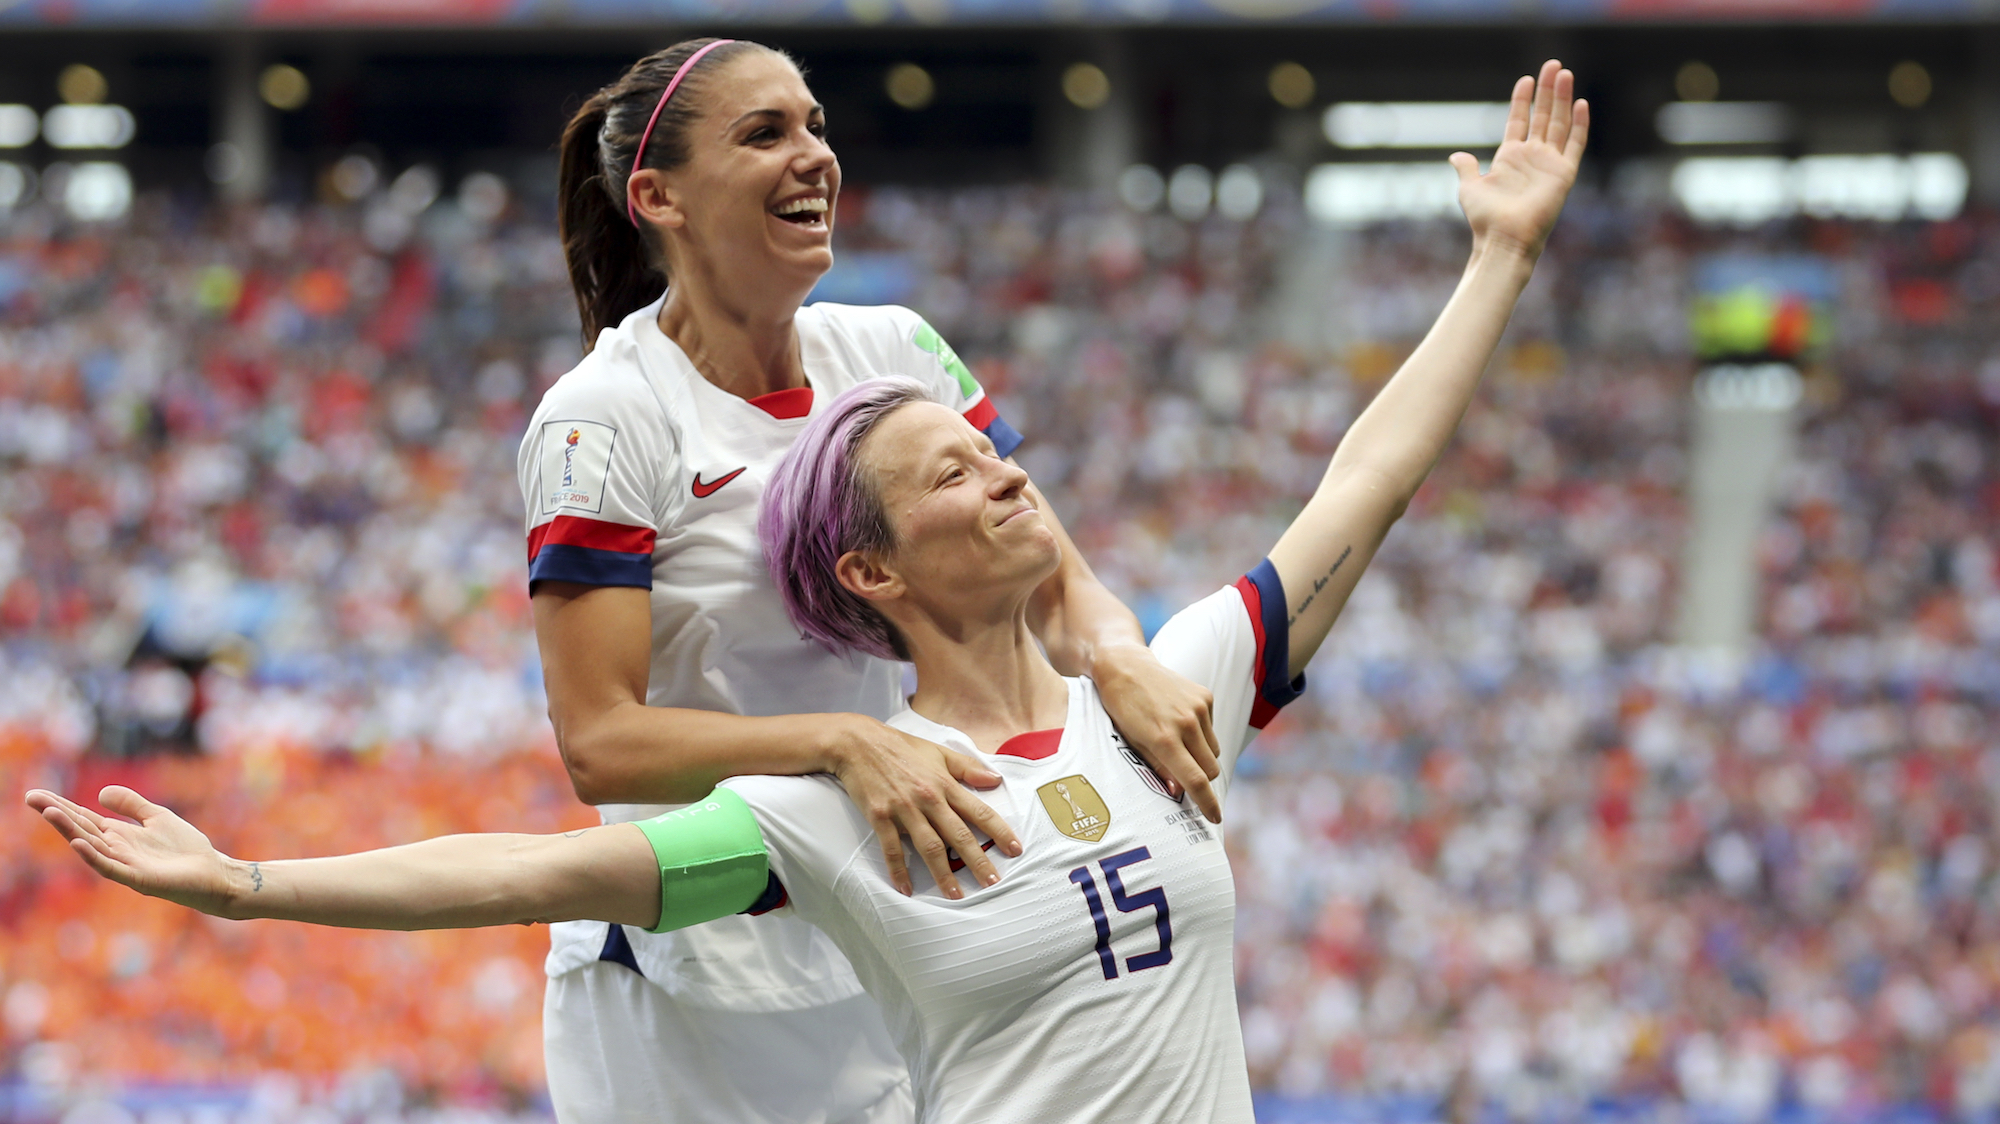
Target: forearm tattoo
(256,878)
(1319,584)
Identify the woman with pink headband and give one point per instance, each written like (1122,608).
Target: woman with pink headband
(1092,982)
(697,200)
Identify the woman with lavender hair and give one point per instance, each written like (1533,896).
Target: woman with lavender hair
(1093,982)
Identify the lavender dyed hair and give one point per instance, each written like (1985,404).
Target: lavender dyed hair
(819,505)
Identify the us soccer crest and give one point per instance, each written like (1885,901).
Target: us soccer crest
(1075,808)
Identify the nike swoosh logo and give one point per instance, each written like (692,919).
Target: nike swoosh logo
(703,491)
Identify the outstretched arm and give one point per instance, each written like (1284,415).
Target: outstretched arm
(1392,446)
(454,882)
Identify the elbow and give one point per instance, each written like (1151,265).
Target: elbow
(584,760)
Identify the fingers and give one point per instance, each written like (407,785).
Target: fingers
(1208,750)
(1204,797)
(1467,165)
(1545,97)
(966,769)
(1579,132)
(100,862)
(66,827)
(89,822)
(891,839)
(1560,108)
(42,798)
(1517,110)
(982,816)
(932,849)
(956,835)
(128,803)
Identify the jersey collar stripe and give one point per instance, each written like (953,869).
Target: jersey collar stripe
(1034,746)
(786,404)
(1264,597)
(572,530)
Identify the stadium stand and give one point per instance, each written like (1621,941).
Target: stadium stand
(261,550)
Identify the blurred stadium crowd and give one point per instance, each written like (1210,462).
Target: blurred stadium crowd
(1512,850)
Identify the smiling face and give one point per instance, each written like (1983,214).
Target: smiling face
(754,202)
(966,535)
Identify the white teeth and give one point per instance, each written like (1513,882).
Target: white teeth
(812,203)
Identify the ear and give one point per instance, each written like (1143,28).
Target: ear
(866,577)
(654,200)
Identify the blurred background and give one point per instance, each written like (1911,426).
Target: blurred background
(1650,774)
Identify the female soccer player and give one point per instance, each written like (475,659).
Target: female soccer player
(668,659)
(1091,983)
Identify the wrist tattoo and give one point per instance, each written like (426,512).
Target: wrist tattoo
(1319,584)
(256,878)
(574,834)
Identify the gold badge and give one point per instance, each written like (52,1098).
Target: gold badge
(1076,808)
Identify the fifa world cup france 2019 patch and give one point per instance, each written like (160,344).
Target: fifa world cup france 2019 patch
(1075,808)
(576,463)
(928,339)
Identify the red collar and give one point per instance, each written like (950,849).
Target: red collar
(1034,745)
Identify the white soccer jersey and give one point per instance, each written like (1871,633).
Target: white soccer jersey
(1095,981)
(637,471)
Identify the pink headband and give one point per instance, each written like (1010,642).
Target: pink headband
(638,157)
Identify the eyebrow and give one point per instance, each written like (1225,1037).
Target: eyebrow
(778,113)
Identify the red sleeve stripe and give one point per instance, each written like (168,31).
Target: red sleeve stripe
(982,413)
(1253,600)
(1264,598)
(573,530)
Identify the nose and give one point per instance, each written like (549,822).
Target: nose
(815,159)
(1008,480)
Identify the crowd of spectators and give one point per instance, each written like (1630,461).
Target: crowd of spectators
(1513,853)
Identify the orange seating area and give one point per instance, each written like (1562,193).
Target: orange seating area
(139,989)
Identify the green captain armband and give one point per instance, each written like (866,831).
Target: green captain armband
(712,860)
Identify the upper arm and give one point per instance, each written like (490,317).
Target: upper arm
(595,643)
(1321,555)
(590,471)
(596,649)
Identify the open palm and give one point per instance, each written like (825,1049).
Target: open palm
(161,855)
(1516,202)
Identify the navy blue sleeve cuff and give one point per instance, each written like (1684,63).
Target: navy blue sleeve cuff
(590,566)
(1274,688)
(1005,437)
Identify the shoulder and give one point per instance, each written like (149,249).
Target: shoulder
(607,383)
(808,823)
(876,322)
(1206,628)
(785,803)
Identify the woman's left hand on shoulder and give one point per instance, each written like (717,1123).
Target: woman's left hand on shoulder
(1166,717)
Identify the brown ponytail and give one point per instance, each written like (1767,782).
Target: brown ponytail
(614,267)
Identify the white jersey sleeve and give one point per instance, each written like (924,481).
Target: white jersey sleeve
(897,341)
(591,470)
(811,831)
(1235,642)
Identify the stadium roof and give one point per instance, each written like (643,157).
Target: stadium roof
(472,13)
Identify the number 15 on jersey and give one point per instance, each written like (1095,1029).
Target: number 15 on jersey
(1155,899)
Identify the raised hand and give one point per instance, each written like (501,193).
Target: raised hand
(162,855)
(1516,202)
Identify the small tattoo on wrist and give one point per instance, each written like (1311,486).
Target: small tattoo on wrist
(256,878)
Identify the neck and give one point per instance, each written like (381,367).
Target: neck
(746,348)
(987,678)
